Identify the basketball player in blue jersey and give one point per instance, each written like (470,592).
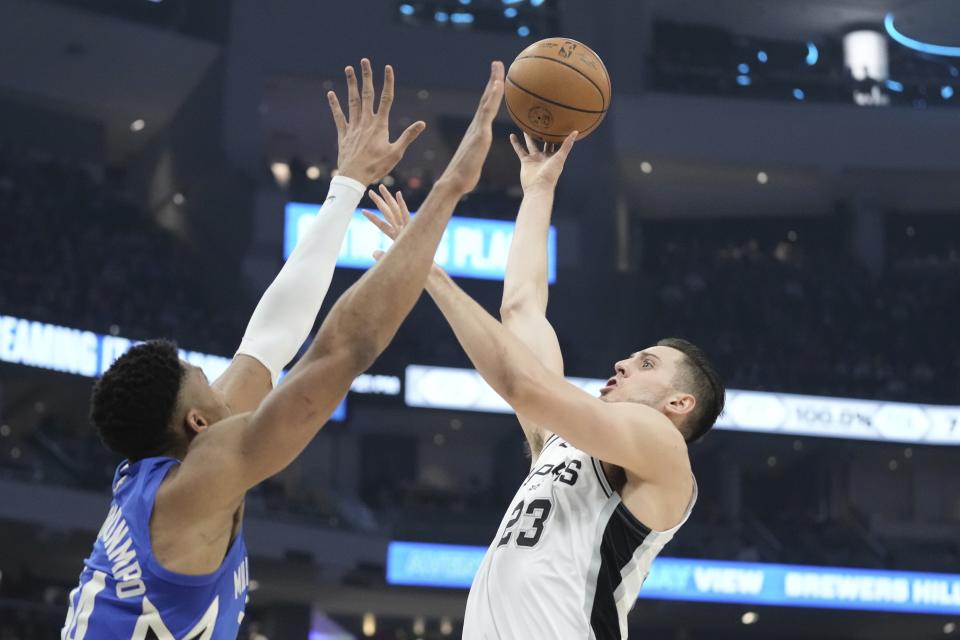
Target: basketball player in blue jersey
(169,562)
(610,481)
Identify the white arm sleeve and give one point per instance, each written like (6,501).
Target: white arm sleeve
(286,312)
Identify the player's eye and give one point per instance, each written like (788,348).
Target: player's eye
(647,362)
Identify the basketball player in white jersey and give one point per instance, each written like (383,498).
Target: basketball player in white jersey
(610,481)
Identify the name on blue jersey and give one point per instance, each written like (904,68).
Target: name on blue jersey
(115,536)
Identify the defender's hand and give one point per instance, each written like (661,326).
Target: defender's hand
(365,151)
(463,171)
(541,168)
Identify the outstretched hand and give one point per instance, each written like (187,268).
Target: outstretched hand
(463,171)
(363,137)
(541,168)
(396,216)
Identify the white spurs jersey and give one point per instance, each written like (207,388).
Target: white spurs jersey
(568,559)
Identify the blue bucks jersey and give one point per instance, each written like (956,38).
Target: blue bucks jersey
(124,593)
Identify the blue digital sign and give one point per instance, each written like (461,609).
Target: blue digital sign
(85,353)
(470,247)
(432,565)
(453,566)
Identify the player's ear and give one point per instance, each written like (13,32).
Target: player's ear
(679,404)
(196,422)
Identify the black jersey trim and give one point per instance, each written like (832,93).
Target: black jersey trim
(621,539)
(602,477)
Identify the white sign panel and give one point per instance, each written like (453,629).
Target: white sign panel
(758,411)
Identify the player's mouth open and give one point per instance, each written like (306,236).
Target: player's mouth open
(611,384)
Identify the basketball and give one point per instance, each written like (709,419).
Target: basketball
(556,86)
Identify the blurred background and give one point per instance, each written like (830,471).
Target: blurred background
(775,181)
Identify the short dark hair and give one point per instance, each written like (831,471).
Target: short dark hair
(698,376)
(133,403)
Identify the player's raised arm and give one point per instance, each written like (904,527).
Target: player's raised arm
(634,436)
(226,460)
(525,287)
(285,314)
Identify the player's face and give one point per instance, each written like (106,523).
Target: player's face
(197,394)
(645,377)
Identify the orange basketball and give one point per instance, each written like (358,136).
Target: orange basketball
(556,86)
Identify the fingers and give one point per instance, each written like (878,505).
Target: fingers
(520,150)
(379,223)
(404,209)
(366,93)
(409,135)
(338,117)
(567,145)
(353,96)
(386,94)
(492,94)
(378,254)
(531,144)
(392,212)
(377,200)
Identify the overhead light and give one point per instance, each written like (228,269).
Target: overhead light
(446,626)
(313,172)
(749,617)
(743,81)
(792,237)
(813,54)
(461,17)
(138,125)
(441,16)
(763,178)
(419,626)
(646,167)
(762,56)
(388,180)
(281,173)
(523,31)
(510,12)
(743,68)
(179,198)
(369,625)
(799,94)
(946,92)
(949,628)
(772,461)
(893,465)
(407,9)
(536,3)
